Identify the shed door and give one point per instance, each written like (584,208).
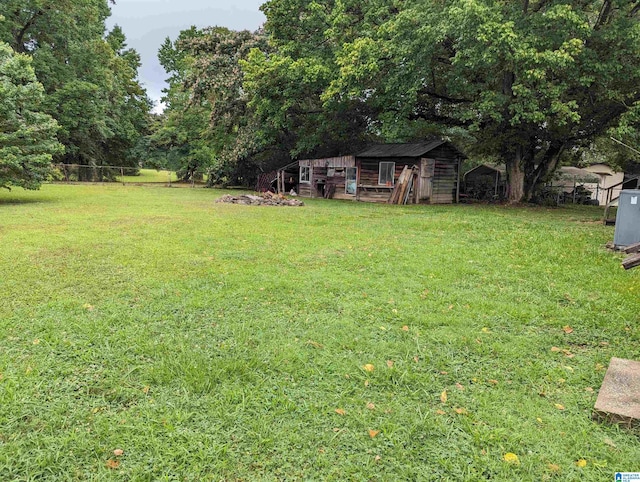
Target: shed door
(427,167)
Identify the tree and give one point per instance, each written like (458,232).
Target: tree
(182,131)
(531,81)
(27,135)
(90,79)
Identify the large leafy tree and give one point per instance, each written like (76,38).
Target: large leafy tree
(208,126)
(27,135)
(179,139)
(530,80)
(90,79)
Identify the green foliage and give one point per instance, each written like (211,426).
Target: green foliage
(90,79)
(531,82)
(215,342)
(207,126)
(27,135)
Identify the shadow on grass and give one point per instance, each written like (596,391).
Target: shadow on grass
(8,201)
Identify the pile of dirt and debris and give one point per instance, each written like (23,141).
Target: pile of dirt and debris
(265,199)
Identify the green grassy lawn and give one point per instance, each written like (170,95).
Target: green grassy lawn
(150,176)
(216,342)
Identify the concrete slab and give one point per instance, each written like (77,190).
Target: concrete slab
(619,397)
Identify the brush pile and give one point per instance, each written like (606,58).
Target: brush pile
(264,199)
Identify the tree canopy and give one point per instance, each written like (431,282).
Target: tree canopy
(528,82)
(89,77)
(27,135)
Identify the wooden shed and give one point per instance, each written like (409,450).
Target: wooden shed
(372,174)
(438,166)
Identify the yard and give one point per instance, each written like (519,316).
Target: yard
(337,341)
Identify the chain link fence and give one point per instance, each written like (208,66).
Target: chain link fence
(76,173)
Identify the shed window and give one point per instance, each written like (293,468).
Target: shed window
(350,183)
(305,174)
(387,171)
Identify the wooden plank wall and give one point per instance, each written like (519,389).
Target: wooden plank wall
(319,176)
(444,182)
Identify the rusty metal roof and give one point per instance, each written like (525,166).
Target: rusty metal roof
(415,149)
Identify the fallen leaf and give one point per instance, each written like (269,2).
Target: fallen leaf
(609,442)
(588,389)
(461,411)
(87,306)
(459,387)
(373,433)
(146,389)
(340,411)
(450,307)
(581,463)
(443,397)
(539,420)
(377,458)
(444,373)
(371,406)
(36,341)
(568,354)
(555,349)
(416,359)
(511,458)
(336,429)
(405,328)
(368,367)
(558,406)
(366,383)
(390,363)
(486,330)
(118,452)
(113,464)
(567,329)
(315,344)
(493,382)
(553,467)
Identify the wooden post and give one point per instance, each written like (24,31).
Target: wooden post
(122,174)
(458,181)
(358,166)
(631,261)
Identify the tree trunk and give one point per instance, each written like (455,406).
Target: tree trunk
(515,178)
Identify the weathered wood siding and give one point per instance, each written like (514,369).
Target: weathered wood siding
(327,173)
(444,183)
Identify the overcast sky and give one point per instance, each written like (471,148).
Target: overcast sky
(146,23)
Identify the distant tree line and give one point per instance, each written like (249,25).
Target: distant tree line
(69,90)
(531,83)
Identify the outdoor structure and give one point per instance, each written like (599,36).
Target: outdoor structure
(597,184)
(432,174)
(485,183)
(609,183)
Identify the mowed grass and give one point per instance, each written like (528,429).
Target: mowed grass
(150,176)
(216,342)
